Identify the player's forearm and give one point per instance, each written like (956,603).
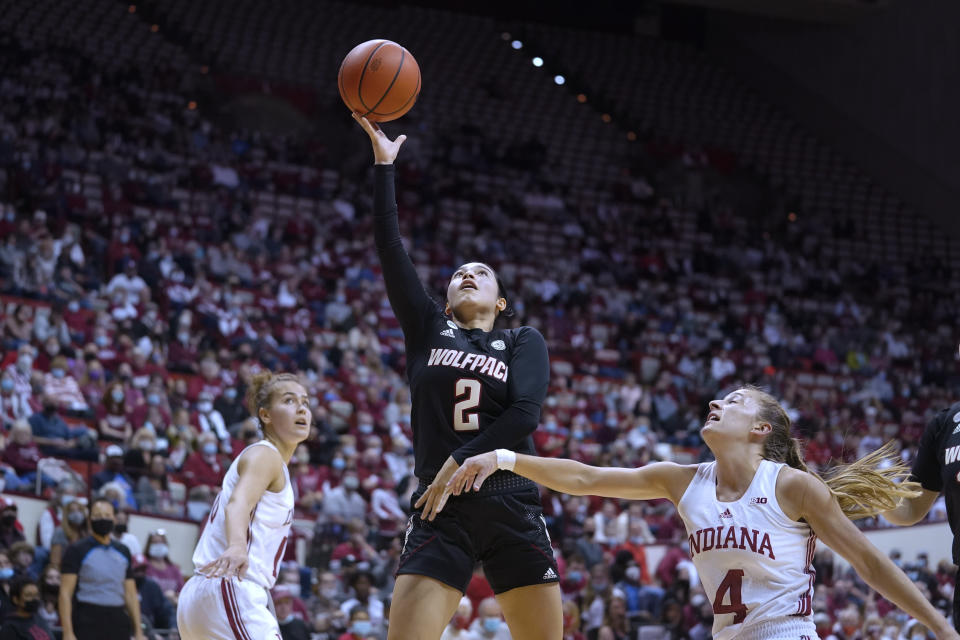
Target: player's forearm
(905,514)
(236,520)
(878,571)
(510,428)
(559,474)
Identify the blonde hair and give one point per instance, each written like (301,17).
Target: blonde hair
(862,487)
(260,392)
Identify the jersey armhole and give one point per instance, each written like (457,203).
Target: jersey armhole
(286,472)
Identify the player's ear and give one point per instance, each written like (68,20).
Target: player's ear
(446,308)
(501,304)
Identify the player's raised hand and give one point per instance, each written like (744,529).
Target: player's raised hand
(384,149)
(472,473)
(232,562)
(436,495)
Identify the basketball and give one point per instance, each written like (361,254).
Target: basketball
(380,80)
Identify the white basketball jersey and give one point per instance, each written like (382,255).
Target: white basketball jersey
(266,533)
(755,563)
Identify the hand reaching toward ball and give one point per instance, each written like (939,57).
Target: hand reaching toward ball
(384,149)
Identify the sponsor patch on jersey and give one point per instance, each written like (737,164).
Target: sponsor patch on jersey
(448,333)
(726,514)
(452,324)
(758,500)
(499,345)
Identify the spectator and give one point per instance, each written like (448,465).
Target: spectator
(137,459)
(360,626)
(344,503)
(356,546)
(60,384)
(489,624)
(22,554)
(209,420)
(23,455)
(18,328)
(22,369)
(291,627)
(363,596)
(571,621)
(113,417)
(25,623)
(459,626)
(128,284)
(73,528)
(124,537)
(65,493)
(11,532)
(50,594)
(153,489)
(57,439)
(114,473)
(14,405)
(160,568)
(97,572)
(205,466)
(154,606)
(6,575)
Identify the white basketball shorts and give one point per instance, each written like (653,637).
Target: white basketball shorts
(225,609)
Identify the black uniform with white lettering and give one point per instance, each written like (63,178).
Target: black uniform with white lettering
(937,468)
(472,391)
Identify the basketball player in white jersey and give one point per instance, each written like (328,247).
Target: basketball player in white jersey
(752,516)
(241,547)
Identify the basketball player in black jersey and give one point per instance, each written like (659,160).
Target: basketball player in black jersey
(937,468)
(474,389)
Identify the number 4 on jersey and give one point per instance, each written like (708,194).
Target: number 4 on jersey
(732,583)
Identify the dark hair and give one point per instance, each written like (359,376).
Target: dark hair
(19,583)
(95,501)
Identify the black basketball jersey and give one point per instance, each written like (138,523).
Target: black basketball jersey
(472,391)
(937,466)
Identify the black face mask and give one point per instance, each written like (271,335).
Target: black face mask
(101,526)
(50,589)
(120,529)
(50,409)
(32,606)
(8,520)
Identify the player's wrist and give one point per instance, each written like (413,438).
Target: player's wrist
(506,459)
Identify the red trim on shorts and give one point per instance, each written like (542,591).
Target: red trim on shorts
(233,616)
(429,540)
(552,561)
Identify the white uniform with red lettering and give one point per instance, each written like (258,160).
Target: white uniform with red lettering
(228,608)
(754,562)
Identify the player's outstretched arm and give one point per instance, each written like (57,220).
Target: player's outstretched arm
(408,298)
(657,480)
(804,496)
(912,510)
(258,468)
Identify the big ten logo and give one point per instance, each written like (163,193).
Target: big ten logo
(759,500)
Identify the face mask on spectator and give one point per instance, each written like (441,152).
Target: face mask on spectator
(53,350)
(117,395)
(351,483)
(8,519)
(76,518)
(366,428)
(361,628)
(31,606)
(183,337)
(633,574)
(102,526)
(49,409)
(146,445)
(101,341)
(7,385)
(6,573)
(158,550)
(338,464)
(575,577)
(58,373)
(153,399)
(210,449)
(95,374)
(120,529)
(25,363)
(230,394)
(491,625)
(205,407)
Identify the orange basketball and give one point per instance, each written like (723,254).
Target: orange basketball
(380,80)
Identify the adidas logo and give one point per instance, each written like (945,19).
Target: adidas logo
(550,574)
(726,514)
(447,332)
(956,429)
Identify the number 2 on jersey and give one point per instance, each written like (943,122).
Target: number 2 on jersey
(732,583)
(463,418)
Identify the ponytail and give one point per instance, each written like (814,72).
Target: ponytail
(866,487)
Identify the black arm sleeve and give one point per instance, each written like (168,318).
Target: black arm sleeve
(926,466)
(409,300)
(529,377)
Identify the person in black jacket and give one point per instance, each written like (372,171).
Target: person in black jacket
(154,606)
(25,623)
(937,469)
(474,388)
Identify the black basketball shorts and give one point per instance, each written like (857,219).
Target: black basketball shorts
(505,532)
